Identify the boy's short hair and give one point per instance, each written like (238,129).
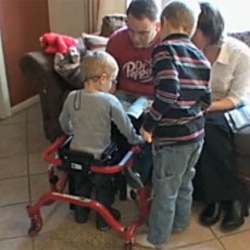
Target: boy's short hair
(211,22)
(143,8)
(182,13)
(96,63)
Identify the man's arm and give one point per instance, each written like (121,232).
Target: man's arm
(166,87)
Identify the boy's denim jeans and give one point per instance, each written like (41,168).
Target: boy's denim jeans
(173,171)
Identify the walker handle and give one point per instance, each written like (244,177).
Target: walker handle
(53,148)
(125,162)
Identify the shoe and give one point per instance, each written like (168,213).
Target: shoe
(142,240)
(101,224)
(211,214)
(234,215)
(81,214)
(178,230)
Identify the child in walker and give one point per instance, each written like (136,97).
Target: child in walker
(88,114)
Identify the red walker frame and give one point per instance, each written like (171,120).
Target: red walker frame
(57,189)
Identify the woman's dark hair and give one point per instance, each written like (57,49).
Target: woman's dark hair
(211,22)
(143,8)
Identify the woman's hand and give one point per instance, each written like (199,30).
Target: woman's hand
(147,136)
(221,105)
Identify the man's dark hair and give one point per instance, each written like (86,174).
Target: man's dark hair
(143,8)
(211,22)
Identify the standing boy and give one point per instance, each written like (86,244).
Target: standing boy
(175,122)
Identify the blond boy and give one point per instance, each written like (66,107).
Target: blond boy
(87,114)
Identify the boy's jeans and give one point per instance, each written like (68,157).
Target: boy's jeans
(173,171)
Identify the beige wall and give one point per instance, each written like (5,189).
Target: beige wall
(5,109)
(67,16)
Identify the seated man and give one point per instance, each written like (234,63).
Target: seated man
(132,46)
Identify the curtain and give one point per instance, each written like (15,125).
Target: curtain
(92,9)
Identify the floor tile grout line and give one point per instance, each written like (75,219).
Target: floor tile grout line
(14,204)
(14,177)
(14,238)
(10,156)
(231,234)
(221,244)
(191,244)
(217,238)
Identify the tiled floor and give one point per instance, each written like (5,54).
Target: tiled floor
(23,178)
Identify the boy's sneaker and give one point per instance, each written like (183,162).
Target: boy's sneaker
(101,224)
(81,214)
(142,240)
(177,230)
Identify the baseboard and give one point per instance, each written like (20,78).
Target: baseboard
(25,104)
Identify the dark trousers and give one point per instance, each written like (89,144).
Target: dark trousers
(99,184)
(216,174)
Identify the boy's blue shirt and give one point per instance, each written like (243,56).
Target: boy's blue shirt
(182,92)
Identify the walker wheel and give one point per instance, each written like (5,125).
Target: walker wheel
(36,225)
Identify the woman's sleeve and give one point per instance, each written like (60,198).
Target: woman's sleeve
(241,80)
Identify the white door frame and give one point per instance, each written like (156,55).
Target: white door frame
(5,107)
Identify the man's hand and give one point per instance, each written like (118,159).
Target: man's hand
(147,136)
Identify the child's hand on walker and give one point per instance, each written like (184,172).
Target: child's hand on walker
(146,135)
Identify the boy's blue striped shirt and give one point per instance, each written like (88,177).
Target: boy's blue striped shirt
(181,79)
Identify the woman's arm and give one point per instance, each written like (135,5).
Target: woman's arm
(223,104)
(239,86)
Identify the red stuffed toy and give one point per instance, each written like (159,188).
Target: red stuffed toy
(56,43)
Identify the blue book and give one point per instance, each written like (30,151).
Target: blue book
(238,118)
(137,108)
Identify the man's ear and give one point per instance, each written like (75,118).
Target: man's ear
(158,26)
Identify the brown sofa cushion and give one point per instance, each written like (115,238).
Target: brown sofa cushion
(94,42)
(242,143)
(112,22)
